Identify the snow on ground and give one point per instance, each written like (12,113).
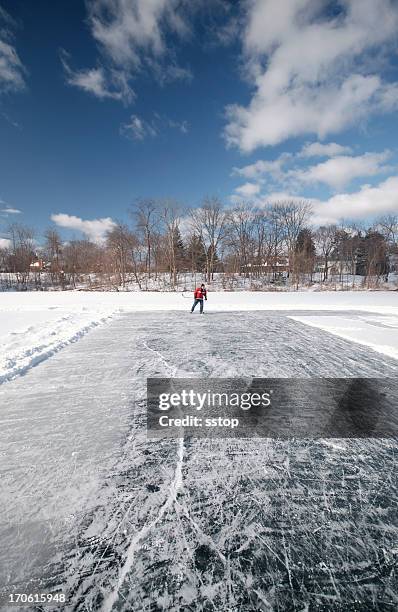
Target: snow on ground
(378,332)
(188,281)
(383,302)
(31,336)
(35,325)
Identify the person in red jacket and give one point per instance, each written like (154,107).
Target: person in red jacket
(199,294)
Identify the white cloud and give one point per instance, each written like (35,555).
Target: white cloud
(5,243)
(137,129)
(389,97)
(319,149)
(124,28)
(369,201)
(92,81)
(262,167)
(95,229)
(276,168)
(288,172)
(98,81)
(132,36)
(10,211)
(338,172)
(11,121)
(309,70)
(182,126)
(12,70)
(248,190)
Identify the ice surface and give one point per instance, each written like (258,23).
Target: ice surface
(92,507)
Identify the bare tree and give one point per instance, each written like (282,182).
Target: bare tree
(325,240)
(388,227)
(80,258)
(72,261)
(294,216)
(6,279)
(274,235)
(239,231)
(209,222)
(171,216)
(53,249)
(146,217)
(374,246)
(4,259)
(120,241)
(23,250)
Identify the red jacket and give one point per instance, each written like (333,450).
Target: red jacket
(200,293)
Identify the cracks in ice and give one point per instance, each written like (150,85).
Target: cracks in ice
(174,487)
(172,369)
(204,537)
(135,542)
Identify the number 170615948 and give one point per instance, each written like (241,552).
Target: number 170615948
(26,598)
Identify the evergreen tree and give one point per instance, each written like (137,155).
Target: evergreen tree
(305,244)
(196,254)
(217,264)
(305,252)
(374,249)
(179,249)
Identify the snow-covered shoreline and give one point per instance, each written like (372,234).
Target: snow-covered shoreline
(381,302)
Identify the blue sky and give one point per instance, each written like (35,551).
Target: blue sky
(105,101)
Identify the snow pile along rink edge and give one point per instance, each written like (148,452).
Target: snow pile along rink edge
(25,345)
(379,333)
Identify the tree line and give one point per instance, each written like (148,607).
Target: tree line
(274,243)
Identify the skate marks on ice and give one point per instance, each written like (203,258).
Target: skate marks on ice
(227,524)
(60,437)
(255,525)
(72,449)
(260,344)
(276,526)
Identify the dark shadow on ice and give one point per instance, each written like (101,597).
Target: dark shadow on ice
(357,414)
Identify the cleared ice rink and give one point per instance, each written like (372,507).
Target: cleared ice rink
(93,508)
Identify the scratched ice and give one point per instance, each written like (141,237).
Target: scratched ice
(93,508)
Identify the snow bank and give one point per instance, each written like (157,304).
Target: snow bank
(31,335)
(35,325)
(378,332)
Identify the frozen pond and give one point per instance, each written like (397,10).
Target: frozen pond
(94,509)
